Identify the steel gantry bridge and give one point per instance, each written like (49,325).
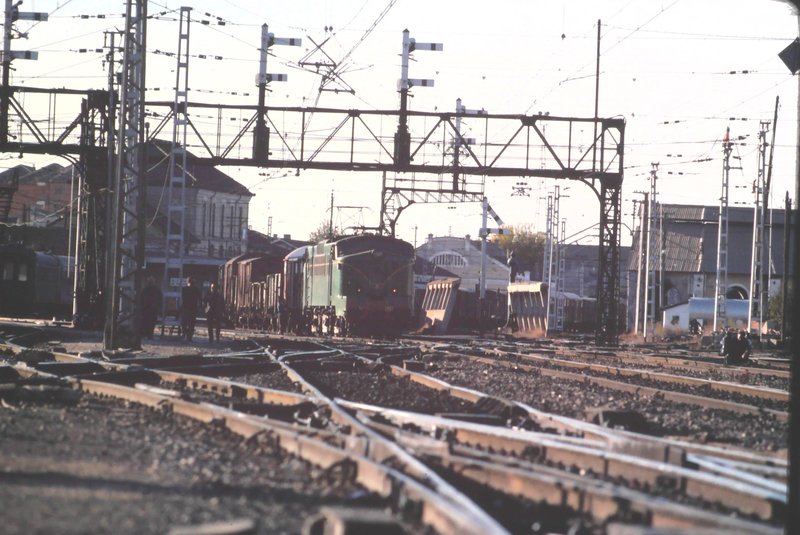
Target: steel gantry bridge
(408,147)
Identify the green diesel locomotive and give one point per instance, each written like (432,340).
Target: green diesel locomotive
(361,285)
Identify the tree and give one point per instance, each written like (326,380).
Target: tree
(324,232)
(776,309)
(528,245)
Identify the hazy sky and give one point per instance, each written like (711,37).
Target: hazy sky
(678,71)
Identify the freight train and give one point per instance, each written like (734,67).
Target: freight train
(359,285)
(34,284)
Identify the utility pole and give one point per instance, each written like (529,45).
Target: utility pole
(787,234)
(721,283)
(484,233)
(330,224)
(650,266)
(661,252)
(642,233)
(766,221)
(754,310)
(482,279)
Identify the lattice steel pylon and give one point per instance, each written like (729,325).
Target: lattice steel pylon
(560,270)
(127,239)
(175,233)
(547,267)
(721,283)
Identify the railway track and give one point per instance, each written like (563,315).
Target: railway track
(493,460)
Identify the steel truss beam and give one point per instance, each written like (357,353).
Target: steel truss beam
(42,134)
(362,140)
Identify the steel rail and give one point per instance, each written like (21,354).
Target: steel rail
(721,386)
(659,449)
(380,450)
(437,512)
(656,448)
(601,502)
(197,382)
(677,397)
(760,500)
(677,362)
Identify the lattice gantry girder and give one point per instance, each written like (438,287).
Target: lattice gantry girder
(326,138)
(53,121)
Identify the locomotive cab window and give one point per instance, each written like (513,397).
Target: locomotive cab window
(23,273)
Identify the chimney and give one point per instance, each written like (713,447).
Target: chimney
(466,243)
(430,239)
(287,236)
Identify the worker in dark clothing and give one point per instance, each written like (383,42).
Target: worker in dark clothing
(215,309)
(151,307)
(695,327)
(736,348)
(190,302)
(283,315)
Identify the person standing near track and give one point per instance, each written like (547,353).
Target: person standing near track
(215,308)
(190,302)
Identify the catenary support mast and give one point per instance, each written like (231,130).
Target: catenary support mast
(127,238)
(175,231)
(721,283)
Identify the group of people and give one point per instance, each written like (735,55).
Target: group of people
(192,302)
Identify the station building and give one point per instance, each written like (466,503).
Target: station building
(215,216)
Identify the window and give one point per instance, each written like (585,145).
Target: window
(23,273)
(212,220)
(449,259)
(673,296)
(205,215)
(222,221)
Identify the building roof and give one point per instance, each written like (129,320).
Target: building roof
(273,245)
(457,244)
(200,175)
(426,267)
(26,174)
(690,239)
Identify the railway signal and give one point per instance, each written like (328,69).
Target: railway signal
(402,139)
(261,132)
(12,14)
